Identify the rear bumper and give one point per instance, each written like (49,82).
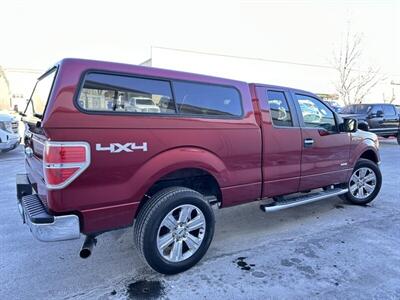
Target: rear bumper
(43,225)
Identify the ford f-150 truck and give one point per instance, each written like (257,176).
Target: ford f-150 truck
(383,119)
(92,166)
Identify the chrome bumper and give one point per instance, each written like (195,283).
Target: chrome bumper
(63,228)
(44,226)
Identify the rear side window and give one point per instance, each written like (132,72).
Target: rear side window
(279,109)
(208,100)
(388,110)
(118,93)
(41,93)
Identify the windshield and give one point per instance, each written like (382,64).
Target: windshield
(41,93)
(356,109)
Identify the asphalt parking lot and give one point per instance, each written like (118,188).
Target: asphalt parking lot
(329,250)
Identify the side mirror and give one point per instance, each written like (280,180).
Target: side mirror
(379,114)
(349,125)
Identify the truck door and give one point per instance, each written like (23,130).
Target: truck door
(390,119)
(375,119)
(326,151)
(281,136)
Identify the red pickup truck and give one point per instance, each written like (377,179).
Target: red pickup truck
(111,145)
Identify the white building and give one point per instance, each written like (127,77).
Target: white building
(308,76)
(21,83)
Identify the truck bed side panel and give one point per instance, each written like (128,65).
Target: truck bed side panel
(109,191)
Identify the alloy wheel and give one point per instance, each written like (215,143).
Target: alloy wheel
(181,233)
(362,183)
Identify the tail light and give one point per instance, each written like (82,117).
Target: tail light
(63,162)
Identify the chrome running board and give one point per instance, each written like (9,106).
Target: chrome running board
(292,202)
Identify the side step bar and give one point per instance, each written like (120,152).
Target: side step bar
(292,202)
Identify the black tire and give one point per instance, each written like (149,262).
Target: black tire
(149,220)
(364,163)
(398,138)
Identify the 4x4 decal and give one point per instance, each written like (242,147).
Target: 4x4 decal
(118,148)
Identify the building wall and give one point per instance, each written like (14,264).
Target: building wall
(4,90)
(318,79)
(21,83)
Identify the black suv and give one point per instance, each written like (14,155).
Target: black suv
(381,119)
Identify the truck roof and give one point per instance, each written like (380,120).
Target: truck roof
(6,117)
(281,87)
(165,73)
(143,70)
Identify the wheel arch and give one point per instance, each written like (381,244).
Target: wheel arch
(370,155)
(366,150)
(178,167)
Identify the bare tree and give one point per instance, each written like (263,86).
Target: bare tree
(354,82)
(392,99)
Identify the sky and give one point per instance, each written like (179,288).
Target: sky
(37,33)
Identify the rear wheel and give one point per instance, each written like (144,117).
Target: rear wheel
(174,229)
(365,182)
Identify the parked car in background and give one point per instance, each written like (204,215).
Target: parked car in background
(141,104)
(335,105)
(310,111)
(380,118)
(9,137)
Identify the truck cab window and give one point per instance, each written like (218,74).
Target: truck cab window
(316,114)
(374,109)
(279,108)
(41,93)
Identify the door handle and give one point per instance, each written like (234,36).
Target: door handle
(308,143)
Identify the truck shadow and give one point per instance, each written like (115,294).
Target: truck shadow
(237,228)
(248,221)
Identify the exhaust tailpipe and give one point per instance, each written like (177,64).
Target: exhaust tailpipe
(87,247)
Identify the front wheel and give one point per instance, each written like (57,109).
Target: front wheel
(365,182)
(174,229)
